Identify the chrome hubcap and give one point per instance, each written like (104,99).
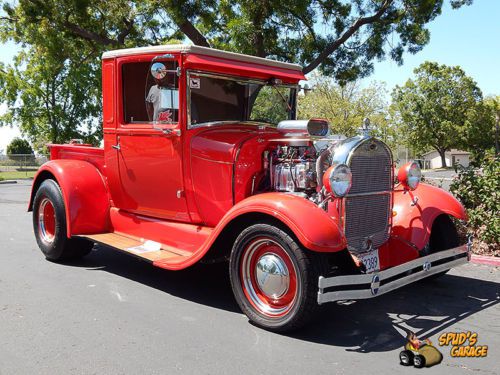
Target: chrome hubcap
(272,275)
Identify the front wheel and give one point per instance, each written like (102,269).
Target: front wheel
(444,236)
(49,225)
(419,361)
(273,278)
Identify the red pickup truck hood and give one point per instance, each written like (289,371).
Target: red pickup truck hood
(222,143)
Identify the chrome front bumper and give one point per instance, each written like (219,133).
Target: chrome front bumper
(352,287)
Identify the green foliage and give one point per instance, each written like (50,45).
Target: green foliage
(270,106)
(343,37)
(492,104)
(52,100)
(442,108)
(53,88)
(346,106)
(478,188)
(19,146)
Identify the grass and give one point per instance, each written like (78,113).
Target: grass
(14,175)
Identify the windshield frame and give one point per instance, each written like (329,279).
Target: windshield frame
(292,100)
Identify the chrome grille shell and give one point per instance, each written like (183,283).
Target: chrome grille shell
(367,208)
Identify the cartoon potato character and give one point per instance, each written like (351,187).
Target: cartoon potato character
(420,353)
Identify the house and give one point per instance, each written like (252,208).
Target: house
(432,160)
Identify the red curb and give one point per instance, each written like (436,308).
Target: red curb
(488,260)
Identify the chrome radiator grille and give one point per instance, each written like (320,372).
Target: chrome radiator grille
(371,169)
(367,218)
(368,204)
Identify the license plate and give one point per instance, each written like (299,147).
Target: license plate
(370,260)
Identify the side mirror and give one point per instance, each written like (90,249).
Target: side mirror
(158,70)
(410,175)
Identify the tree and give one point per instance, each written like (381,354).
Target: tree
(63,42)
(19,146)
(345,106)
(493,105)
(344,37)
(18,149)
(442,108)
(51,100)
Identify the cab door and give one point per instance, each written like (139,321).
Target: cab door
(149,151)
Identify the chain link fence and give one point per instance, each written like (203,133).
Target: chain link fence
(21,165)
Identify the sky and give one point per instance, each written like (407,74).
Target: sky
(468,37)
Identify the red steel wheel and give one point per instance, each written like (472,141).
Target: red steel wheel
(274,279)
(46,220)
(268,277)
(49,225)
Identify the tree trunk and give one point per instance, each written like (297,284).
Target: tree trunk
(443,159)
(259,18)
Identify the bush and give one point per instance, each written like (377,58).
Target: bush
(478,188)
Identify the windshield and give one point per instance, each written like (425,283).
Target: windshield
(214,99)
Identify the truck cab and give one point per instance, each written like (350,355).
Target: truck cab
(204,160)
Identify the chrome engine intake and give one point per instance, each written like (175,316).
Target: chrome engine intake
(294,176)
(293,169)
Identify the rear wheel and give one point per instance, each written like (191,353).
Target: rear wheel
(49,225)
(273,278)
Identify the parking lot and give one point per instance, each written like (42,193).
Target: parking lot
(113,314)
(439,177)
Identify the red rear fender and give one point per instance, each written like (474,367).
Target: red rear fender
(84,192)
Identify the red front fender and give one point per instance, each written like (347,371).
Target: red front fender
(312,226)
(84,192)
(414,222)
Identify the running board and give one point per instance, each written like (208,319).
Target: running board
(149,251)
(353,287)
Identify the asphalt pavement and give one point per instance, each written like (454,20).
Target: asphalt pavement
(113,314)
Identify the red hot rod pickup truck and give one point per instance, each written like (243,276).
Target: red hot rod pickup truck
(204,160)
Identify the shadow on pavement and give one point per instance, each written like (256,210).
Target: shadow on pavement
(204,284)
(376,325)
(426,308)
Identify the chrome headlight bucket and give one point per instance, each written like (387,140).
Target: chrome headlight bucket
(410,175)
(338,180)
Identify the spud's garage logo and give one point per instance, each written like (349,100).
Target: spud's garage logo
(463,344)
(419,353)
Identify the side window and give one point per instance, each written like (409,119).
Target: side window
(150,92)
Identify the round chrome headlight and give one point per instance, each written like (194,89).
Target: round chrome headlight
(338,180)
(410,175)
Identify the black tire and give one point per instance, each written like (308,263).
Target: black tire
(51,236)
(444,236)
(419,361)
(298,303)
(406,358)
